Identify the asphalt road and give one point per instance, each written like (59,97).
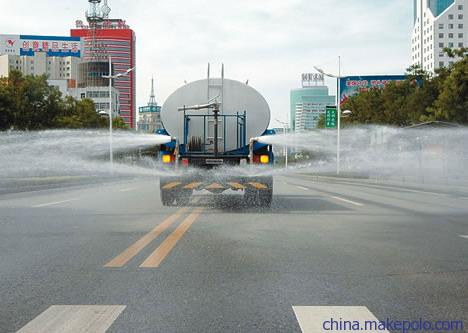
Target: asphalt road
(220,266)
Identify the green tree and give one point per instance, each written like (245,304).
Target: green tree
(6,106)
(452,102)
(80,114)
(119,123)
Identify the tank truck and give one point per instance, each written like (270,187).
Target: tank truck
(214,124)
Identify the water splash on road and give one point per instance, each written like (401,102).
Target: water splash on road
(73,152)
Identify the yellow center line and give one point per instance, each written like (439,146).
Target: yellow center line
(158,256)
(123,258)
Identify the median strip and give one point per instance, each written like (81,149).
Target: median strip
(158,256)
(123,258)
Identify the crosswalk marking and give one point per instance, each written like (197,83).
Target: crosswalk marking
(158,256)
(123,258)
(74,319)
(318,319)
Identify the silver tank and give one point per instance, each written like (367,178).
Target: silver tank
(235,97)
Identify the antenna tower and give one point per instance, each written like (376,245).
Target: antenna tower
(152,100)
(95,48)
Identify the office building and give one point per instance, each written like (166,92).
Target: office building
(309,102)
(116,40)
(438,24)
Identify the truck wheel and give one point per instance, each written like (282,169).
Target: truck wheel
(265,198)
(250,197)
(167,198)
(183,197)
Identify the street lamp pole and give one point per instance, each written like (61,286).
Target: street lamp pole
(338,108)
(112,77)
(338,111)
(111,151)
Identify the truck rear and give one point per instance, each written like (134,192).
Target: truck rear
(213,146)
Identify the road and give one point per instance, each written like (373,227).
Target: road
(111,256)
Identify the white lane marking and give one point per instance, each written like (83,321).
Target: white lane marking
(128,189)
(53,203)
(74,319)
(401,189)
(464,236)
(318,319)
(349,201)
(302,188)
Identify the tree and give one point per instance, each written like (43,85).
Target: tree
(452,102)
(6,106)
(80,114)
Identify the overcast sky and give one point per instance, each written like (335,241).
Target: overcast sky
(269,42)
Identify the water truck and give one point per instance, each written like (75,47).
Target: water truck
(213,124)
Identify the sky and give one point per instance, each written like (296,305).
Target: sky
(268,42)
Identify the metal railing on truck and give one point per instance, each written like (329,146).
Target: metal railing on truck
(241,126)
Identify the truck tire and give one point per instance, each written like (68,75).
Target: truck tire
(182,198)
(265,198)
(167,198)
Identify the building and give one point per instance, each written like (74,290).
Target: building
(100,97)
(57,57)
(438,24)
(150,115)
(309,102)
(117,41)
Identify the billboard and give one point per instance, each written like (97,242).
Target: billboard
(352,85)
(53,46)
(9,44)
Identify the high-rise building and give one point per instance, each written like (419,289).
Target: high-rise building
(309,102)
(438,24)
(115,39)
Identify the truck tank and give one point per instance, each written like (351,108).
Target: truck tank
(234,97)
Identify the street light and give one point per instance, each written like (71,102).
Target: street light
(346,113)
(113,77)
(338,107)
(285,148)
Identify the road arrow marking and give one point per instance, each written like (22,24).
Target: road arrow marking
(464,236)
(74,318)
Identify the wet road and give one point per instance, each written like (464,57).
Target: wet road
(110,257)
